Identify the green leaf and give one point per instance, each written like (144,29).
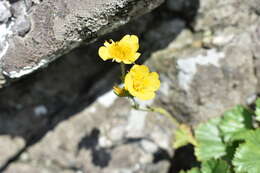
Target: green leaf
(215,166)
(257,109)
(247,156)
(183,136)
(210,144)
(230,150)
(193,170)
(235,123)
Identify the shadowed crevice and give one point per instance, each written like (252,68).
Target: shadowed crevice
(73,82)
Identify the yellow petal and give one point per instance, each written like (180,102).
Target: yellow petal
(132,41)
(136,56)
(125,61)
(146,96)
(140,69)
(154,81)
(117,60)
(126,38)
(104,53)
(128,81)
(107,44)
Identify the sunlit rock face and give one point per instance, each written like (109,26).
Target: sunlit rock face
(34,33)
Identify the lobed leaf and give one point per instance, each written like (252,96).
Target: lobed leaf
(210,144)
(215,166)
(247,156)
(235,123)
(183,136)
(193,170)
(257,109)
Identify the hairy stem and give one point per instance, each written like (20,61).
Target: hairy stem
(122,65)
(159,110)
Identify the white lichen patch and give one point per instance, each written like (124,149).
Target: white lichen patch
(5,32)
(107,99)
(188,66)
(26,70)
(165,85)
(136,123)
(136,120)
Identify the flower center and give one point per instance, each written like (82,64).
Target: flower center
(120,51)
(139,84)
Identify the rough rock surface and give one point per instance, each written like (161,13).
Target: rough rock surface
(107,137)
(9,147)
(203,83)
(32,107)
(214,68)
(41,31)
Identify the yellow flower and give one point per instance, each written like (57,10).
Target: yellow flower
(141,83)
(124,50)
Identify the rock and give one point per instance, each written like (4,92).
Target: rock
(22,25)
(5,13)
(9,147)
(19,8)
(78,143)
(27,168)
(170,29)
(254,4)
(226,13)
(28,4)
(189,81)
(203,73)
(59,26)
(187,8)
(34,106)
(257,67)
(201,83)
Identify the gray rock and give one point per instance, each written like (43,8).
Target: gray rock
(59,26)
(201,83)
(5,12)
(77,142)
(28,4)
(255,5)
(22,25)
(188,8)
(225,13)
(30,168)
(164,32)
(203,74)
(9,147)
(19,8)
(30,110)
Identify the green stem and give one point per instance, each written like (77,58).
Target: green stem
(122,65)
(157,110)
(136,105)
(164,112)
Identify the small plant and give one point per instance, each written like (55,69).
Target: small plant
(139,82)
(227,144)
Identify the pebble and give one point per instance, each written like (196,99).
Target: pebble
(22,25)
(5,12)
(149,146)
